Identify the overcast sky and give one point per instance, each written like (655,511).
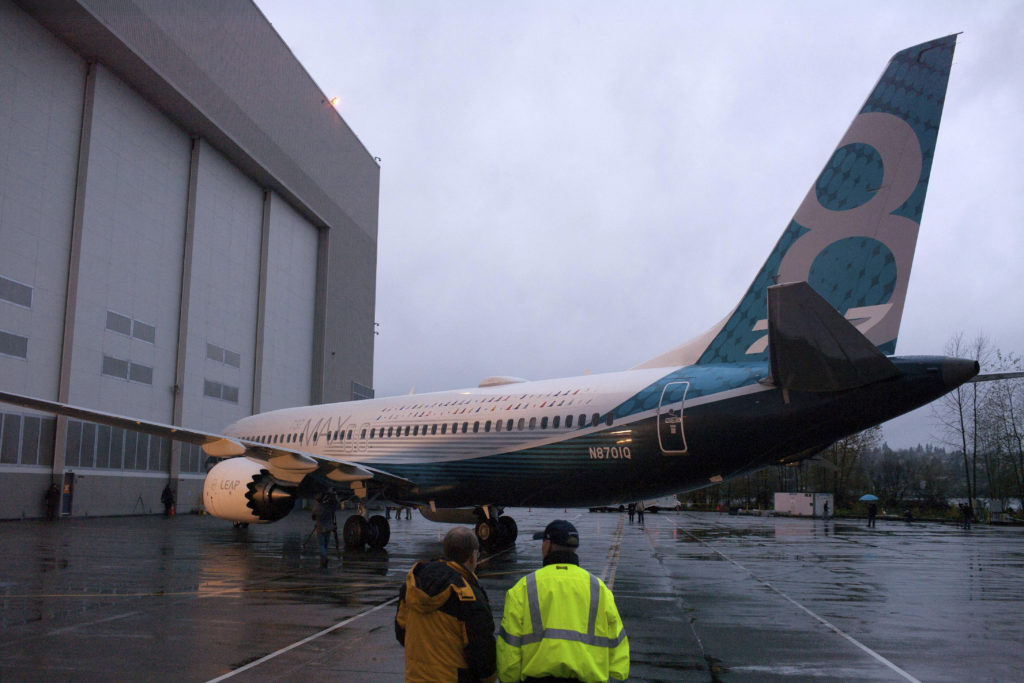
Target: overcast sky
(573,187)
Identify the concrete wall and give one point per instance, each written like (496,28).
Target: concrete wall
(225,291)
(41,90)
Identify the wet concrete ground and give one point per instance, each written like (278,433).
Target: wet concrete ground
(704,597)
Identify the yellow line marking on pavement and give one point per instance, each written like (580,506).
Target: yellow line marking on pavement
(611,564)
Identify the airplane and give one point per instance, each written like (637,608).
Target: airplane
(805,359)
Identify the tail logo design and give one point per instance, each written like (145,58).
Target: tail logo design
(853,236)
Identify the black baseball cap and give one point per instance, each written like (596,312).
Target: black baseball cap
(560,532)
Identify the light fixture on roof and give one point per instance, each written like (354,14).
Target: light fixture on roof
(335,101)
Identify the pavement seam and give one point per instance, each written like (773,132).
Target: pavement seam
(820,619)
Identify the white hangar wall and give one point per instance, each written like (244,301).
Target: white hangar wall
(155,264)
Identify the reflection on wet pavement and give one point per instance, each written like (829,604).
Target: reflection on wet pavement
(704,597)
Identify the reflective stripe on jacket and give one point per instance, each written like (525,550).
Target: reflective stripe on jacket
(561,621)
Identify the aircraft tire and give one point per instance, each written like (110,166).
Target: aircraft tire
(508,531)
(487,534)
(356,531)
(379,532)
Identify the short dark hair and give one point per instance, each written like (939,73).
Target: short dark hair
(459,544)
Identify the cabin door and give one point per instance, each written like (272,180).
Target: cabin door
(670,418)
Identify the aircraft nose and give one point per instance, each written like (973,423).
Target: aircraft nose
(956,371)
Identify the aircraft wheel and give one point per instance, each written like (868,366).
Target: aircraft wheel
(356,531)
(380,532)
(508,530)
(487,534)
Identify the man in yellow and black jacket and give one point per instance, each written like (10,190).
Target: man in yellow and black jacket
(560,623)
(444,617)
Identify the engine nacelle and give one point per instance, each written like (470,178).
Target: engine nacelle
(241,490)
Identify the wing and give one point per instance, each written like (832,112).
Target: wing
(283,463)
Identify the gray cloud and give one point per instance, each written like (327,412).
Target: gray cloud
(576,186)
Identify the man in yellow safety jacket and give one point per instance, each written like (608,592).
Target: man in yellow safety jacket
(560,622)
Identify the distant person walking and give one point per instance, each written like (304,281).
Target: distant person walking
(167,498)
(52,500)
(966,513)
(444,618)
(631,509)
(325,523)
(826,511)
(640,507)
(872,512)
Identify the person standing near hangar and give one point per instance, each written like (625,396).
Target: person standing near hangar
(560,622)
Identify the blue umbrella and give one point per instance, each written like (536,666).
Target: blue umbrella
(868,496)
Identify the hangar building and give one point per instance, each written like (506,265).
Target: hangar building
(188,234)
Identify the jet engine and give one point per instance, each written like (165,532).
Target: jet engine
(241,490)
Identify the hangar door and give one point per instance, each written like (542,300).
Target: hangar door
(670,418)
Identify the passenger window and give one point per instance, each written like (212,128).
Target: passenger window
(533,423)
(465,427)
(508,426)
(433,429)
(487,426)
(522,424)
(391,430)
(554,422)
(476,427)
(568,421)
(362,434)
(372,430)
(609,419)
(416,430)
(595,419)
(444,428)
(544,423)
(583,421)
(407,430)
(497,426)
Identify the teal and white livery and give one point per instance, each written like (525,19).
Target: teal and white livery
(806,358)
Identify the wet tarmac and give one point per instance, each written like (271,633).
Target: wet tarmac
(704,596)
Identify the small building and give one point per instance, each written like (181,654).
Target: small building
(804,504)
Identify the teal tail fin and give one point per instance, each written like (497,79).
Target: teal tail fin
(853,236)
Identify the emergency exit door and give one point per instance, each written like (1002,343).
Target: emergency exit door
(671,434)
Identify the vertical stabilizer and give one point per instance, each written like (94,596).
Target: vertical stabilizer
(853,236)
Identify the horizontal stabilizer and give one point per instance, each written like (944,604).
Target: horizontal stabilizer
(996,376)
(814,348)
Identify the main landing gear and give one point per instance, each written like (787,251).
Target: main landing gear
(495,534)
(358,531)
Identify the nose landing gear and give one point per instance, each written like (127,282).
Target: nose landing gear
(496,534)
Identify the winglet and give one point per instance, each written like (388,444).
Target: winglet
(814,348)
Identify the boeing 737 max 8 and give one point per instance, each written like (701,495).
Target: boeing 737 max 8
(805,359)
